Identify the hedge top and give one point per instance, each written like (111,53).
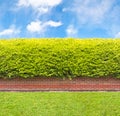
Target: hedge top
(59,58)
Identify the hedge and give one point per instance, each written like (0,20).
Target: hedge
(64,58)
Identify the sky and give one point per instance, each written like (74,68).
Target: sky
(59,18)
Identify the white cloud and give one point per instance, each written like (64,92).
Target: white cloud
(42,6)
(53,23)
(71,31)
(38,3)
(117,35)
(43,10)
(12,31)
(91,11)
(35,26)
(6,32)
(40,27)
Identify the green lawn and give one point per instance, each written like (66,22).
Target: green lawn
(60,104)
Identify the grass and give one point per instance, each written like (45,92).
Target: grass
(60,104)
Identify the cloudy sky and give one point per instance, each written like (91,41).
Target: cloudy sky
(59,18)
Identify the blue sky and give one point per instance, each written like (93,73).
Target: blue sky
(59,18)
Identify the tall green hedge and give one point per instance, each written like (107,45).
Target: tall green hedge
(65,58)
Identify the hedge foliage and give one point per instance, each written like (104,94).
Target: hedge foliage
(65,58)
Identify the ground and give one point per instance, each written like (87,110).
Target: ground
(58,84)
